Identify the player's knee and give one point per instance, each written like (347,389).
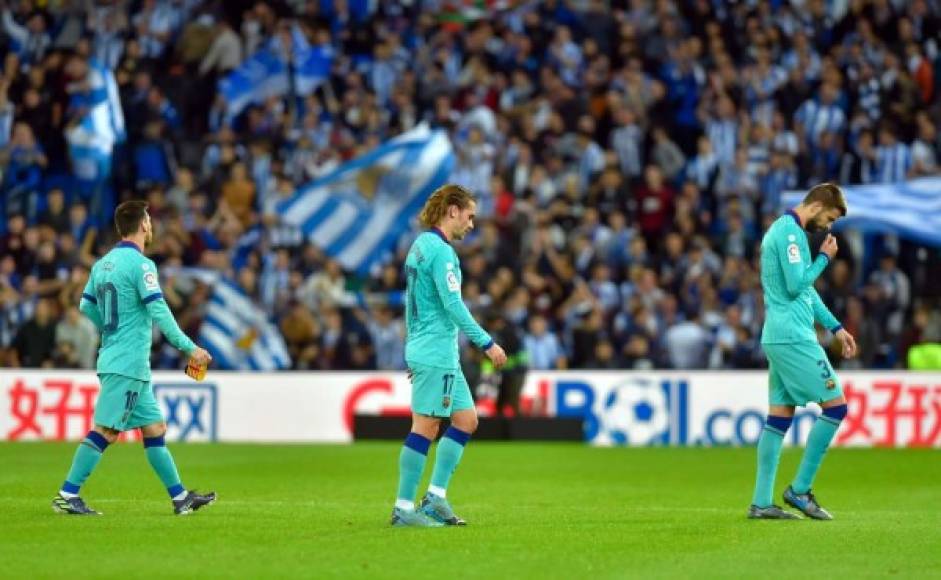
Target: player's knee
(154,431)
(837,412)
(110,435)
(467,423)
(426,428)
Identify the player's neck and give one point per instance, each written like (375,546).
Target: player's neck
(800,212)
(442,232)
(138,242)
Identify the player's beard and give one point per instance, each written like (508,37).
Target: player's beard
(460,232)
(814,225)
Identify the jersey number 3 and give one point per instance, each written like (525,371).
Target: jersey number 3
(108,306)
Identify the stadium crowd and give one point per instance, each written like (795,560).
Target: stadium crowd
(627,156)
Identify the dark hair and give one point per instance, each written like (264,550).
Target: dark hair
(129,216)
(829,194)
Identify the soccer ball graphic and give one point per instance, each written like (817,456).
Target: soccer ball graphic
(635,412)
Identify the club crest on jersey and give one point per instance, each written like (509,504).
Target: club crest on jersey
(793,254)
(446,402)
(831,384)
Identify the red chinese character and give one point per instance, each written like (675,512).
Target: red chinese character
(920,438)
(893,412)
(61,410)
(855,421)
(24,403)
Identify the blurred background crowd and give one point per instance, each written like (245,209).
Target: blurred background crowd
(627,156)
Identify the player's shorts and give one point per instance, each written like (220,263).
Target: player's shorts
(438,392)
(125,403)
(799,374)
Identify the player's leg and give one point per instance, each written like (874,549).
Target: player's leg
(449,453)
(86,458)
(780,416)
(155,447)
(412,460)
(427,408)
(116,401)
(828,390)
(148,416)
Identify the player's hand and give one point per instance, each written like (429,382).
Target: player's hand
(849,343)
(201,356)
(829,246)
(496,355)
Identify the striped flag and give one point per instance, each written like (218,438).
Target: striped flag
(911,209)
(358,212)
(239,335)
(92,139)
(265,74)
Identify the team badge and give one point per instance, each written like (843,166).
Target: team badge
(446,402)
(831,384)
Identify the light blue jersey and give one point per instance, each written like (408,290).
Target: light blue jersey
(434,309)
(787,278)
(123,299)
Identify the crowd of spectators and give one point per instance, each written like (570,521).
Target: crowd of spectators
(627,156)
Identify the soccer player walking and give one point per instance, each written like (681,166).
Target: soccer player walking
(434,311)
(799,371)
(123,299)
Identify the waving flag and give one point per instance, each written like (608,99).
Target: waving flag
(92,140)
(266,73)
(239,335)
(358,212)
(911,209)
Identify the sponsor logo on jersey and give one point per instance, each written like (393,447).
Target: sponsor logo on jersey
(453,284)
(793,254)
(150,281)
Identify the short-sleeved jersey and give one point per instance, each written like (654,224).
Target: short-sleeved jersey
(787,278)
(434,308)
(121,286)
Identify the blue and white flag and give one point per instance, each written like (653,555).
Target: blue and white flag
(239,335)
(313,69)
(101,127)
(911,209)
(358,212)
(265,74)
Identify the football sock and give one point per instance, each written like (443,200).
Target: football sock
(769,453)
(411,466)
(160,459)
(448,455)
(86,458)
(818,442)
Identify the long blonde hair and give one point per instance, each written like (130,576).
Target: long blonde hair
(444,197)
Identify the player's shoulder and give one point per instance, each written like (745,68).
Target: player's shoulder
(433,245)
(784,228)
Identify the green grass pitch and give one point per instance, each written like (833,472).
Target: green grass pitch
(535,511)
